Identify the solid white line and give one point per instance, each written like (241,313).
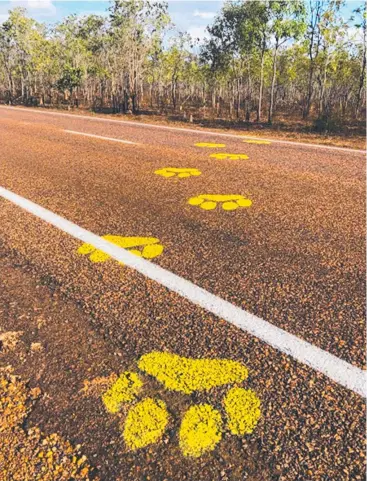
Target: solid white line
(336,369)
(99,137)
(187,130)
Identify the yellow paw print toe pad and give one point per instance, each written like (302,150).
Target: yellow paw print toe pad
(225,156)
(242,408)
(228,202)
(125,389)
(145,423)
(202,426)
(200,431)
(209,144)
(147,247)
(178,172)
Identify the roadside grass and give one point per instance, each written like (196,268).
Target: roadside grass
(27,454)
(350,134)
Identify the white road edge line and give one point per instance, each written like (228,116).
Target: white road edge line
(331,366)
(100,137)
(181,129)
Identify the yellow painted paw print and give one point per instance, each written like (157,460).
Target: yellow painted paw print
(149,247)
(176,172)
(209,144)
(202,426)
(253,141)
(224,156)
(229,202)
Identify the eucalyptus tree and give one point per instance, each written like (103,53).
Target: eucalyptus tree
(20,37)
(216,55)
(241,30)
(334,42)
(7,61)
(175,60)
(287,21)
(319,11)
(253,33)
(360,15)
(93,30)
(224,53)
(74,56)
(134,24)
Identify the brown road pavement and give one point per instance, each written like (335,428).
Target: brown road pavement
(295,258)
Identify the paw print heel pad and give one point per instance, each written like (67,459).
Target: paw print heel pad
(227,202)
(150,247)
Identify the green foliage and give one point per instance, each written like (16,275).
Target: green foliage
(71,77)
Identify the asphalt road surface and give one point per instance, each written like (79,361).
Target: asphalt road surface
(287,247)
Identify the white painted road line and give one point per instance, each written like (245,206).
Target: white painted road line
(100,137)
(181,129)
(336,369)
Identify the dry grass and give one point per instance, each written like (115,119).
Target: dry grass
(29,455)
(350,135)
(9,340)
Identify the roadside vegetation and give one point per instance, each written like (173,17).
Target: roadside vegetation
(290,65)
(27,454)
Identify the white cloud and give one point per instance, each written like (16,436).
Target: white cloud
(39,4)
(198,32)
(355,34)
(41,7)
(205,15)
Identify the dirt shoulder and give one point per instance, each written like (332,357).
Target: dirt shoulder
(353,137)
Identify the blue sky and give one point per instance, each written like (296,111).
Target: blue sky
(190,16)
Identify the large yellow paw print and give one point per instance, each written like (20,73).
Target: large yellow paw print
(202,426)
(150,247)
(224,156)
(229,202)
(177,172)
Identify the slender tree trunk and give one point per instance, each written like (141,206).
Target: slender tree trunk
(361,82)
(306,110)
(238,98)
(249,95)
(103,90)
(323,85)
(258,118)
(213,99)
(271,106)
(174,93)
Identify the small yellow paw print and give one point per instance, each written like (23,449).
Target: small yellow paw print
(202,426)
(229,202)
(209,145)
(149,247)
(253,141)
(224,156)
(177,172)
